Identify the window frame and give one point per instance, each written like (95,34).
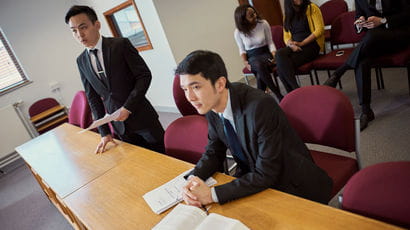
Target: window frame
(24,79)
(114,30)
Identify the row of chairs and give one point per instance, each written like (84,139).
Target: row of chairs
(323,116)
(341,33)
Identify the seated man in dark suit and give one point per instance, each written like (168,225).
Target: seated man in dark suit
(387,31)
(268,151)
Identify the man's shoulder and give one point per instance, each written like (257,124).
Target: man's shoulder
(250,98)
(81,56)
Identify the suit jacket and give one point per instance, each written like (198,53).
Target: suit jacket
(277,157)
(396,12)
(128,79)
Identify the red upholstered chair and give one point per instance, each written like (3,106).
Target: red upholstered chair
(183,105)
(342,32)
(399,59)
(80,113)
(324,116)
(381,191)
(43,105)
(330,10)
(186,138)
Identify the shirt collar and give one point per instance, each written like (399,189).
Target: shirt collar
(97,46)
(228,114)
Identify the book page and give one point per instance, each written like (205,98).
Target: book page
(182,217)
(218,222)
(169,194)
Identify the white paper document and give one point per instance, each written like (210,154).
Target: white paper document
(107,118)
(186,217)
(169,194)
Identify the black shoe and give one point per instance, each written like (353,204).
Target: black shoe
(365,118)
(332,81)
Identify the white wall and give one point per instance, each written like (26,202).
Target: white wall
(160,59)
(191,25)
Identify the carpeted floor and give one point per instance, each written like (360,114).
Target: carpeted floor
(23,205)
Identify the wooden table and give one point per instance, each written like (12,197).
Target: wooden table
(108,193)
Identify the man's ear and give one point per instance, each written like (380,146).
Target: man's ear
(220,83)
(98,24)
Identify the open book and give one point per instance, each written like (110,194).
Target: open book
(185,217)
(169,194)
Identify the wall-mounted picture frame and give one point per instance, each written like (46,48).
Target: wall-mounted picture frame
(124,20)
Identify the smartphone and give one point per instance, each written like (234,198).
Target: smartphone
(340,53)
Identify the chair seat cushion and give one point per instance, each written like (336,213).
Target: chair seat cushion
(339,168)
(305,68)
(331,61)
(381,191)
(246,71)
(397,59)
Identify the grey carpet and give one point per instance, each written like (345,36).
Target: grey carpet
(23,205)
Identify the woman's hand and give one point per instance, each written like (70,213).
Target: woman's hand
(247,65)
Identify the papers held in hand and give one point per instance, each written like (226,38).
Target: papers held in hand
(169,194)
(185,217)
(107,118)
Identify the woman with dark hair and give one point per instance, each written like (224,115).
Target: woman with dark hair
(254,39)
(303,33)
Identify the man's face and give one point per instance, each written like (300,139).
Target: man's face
(84,31)
(202,94)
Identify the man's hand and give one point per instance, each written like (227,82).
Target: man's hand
(247,65)
(372,22)
(196,192)
(104,141)
(124,114)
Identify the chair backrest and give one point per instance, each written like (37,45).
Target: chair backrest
(331,9)
(277,36)
(321,115)
(186,138)
(80,112)
(381,191)
(343,30)
(183,105)
(42,105)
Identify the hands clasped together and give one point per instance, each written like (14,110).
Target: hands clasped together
(370,23)
(196,192)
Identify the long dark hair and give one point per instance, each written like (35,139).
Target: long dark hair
(292,11)
(242,24)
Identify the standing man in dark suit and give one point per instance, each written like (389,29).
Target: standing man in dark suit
(387,27)
(115,77)
(268,151)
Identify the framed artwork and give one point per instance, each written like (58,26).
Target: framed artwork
(124,21)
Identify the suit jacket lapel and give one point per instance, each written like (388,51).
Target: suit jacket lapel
(106,48)
(239,118)
(92,76)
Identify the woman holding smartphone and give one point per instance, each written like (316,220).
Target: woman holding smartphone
(304,36)
(254,39)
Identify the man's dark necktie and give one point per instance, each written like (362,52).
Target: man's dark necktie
(100,73)
(233,141)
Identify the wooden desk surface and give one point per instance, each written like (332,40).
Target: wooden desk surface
(65,159)
(122,206)
(105,191)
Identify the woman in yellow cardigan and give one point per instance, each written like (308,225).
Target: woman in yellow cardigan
(303,33)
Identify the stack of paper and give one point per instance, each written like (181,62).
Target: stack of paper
(169,194)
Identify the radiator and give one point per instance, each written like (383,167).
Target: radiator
(14,132)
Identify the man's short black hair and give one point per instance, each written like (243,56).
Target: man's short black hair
(77,9)
(209,64)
